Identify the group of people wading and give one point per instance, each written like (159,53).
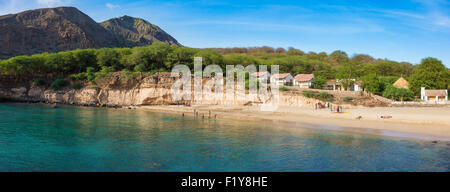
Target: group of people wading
(210,116)
(333,108)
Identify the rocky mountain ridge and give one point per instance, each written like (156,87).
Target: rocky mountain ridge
(67,28)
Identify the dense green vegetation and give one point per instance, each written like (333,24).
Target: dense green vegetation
(323,96)
(93,64)
(398,94)
(348,99)
(431,74)
(58,84)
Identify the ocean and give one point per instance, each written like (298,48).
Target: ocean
(37,137)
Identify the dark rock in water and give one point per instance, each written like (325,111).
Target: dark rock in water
(54,106)
(434,142)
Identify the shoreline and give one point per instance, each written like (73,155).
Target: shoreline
(388,127)
(307,119)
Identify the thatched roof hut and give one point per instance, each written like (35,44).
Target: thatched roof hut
(402,83)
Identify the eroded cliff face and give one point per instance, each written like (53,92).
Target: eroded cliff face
(152,90)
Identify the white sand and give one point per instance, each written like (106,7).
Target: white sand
(427,121)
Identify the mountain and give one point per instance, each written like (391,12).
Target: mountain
(67,28)
(137,31)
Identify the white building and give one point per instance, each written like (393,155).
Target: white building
(260,76)
(433,95)
(336,85)
(303,80)
(282,79)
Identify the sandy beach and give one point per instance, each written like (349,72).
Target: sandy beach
(416,122)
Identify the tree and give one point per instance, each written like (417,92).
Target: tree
(327,73)
(158,54)
(398,94)
(84,58)
(19,66)
(210,57)
(280,50)
(338,58)
(108,57)
(293,51)
(346,73)
(239,59)
(431,74)
(362,58)
(180,55)
(319,82)
(140,56)
(124,53)
(90,74)
(140,68)
(68,64)
(371,83)
(385,67)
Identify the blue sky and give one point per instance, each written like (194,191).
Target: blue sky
(401,30)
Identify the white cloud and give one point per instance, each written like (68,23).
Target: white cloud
(437,12)
(49,3)
(441,20)
(111,6)
(397,13)
(359,26)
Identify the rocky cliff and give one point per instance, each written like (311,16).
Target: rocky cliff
(67,28)
(151,90)
(119,89)
(148,91)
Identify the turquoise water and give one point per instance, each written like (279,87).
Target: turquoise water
(39,138)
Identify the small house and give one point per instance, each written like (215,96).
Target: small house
(261,76)
(304,80)
(401,83)
(333,84)
(282,79)
(357,86)
(336,85)
(433,95)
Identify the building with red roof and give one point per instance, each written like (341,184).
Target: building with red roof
(282,78)
(434,95)
(261,76)
(303,80)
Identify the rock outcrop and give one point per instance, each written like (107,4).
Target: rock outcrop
(151,90)
(120,90)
